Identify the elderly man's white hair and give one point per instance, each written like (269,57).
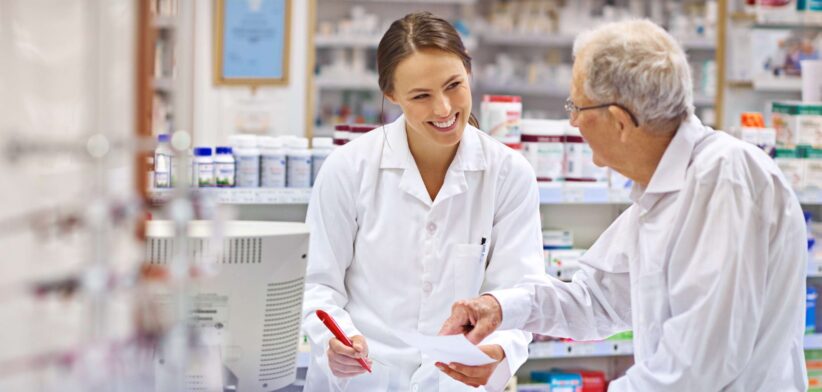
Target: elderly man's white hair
(639,65)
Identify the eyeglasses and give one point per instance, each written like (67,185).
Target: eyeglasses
(573,109)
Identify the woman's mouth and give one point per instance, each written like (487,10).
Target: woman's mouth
(447,125)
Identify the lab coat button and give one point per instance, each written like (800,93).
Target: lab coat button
(431,227)
(415,387)
(427,287)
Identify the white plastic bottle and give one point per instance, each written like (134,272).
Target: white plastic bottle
(298,163)
(543,145)
(246,160)
(162,162)
(272,162)
(224,168)
(321,147)
(574,167)
(203,168)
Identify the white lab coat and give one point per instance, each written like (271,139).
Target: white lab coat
(384,257)
(707,266)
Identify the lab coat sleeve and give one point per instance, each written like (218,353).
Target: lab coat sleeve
(716,278)
(515,251)
(594,305)
(331,219)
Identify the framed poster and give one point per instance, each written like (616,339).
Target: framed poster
(251,42)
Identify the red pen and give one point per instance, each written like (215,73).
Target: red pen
(335,329)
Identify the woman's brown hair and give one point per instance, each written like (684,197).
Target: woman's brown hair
(415,31)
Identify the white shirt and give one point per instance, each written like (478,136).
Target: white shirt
(384,257)
(707,266)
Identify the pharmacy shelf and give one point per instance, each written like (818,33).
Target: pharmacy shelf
(553,91)
(240,195)
(346,41)
(560,193)
(548,194)
(703,44)
(814,268)
(785,25)
(559,40)
(324,130)
(612,348)
(813,342)
(564,193)
(443,2)
(559,350)
(520,39)
(538,90)
(565,274)
(777,84)
(809,196)
(366,41)
(364,83)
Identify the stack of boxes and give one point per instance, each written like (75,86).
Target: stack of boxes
(798,141)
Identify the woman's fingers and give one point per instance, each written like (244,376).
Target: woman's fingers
(339,348)
(459,376)
(342,360)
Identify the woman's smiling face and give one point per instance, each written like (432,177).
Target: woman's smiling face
(432,88)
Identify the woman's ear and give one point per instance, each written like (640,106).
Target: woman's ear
(390,98)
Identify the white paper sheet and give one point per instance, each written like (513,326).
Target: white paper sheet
(446,349)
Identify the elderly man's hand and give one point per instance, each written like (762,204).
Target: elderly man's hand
(476,318)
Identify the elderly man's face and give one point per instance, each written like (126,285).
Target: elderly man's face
(597,126)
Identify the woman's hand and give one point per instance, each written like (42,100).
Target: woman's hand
(343,359)
(475,376)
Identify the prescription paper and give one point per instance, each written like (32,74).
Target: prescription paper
(446,349)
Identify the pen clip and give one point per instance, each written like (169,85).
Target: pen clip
(483,240)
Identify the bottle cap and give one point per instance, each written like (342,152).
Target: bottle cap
(202,151)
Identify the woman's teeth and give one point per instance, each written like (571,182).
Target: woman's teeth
(445,124)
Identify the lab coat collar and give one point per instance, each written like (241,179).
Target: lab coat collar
(397,155)
(395,151)
(669,175)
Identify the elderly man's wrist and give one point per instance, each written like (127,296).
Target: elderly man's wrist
(494,306)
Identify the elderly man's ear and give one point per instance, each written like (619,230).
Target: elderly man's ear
(622,122)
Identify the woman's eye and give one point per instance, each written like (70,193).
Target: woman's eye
(453,85)
(421,96)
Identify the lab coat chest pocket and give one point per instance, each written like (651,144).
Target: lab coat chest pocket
(467,268)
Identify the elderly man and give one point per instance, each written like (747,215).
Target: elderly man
(708,264)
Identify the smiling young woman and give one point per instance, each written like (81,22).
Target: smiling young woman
(407,219)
